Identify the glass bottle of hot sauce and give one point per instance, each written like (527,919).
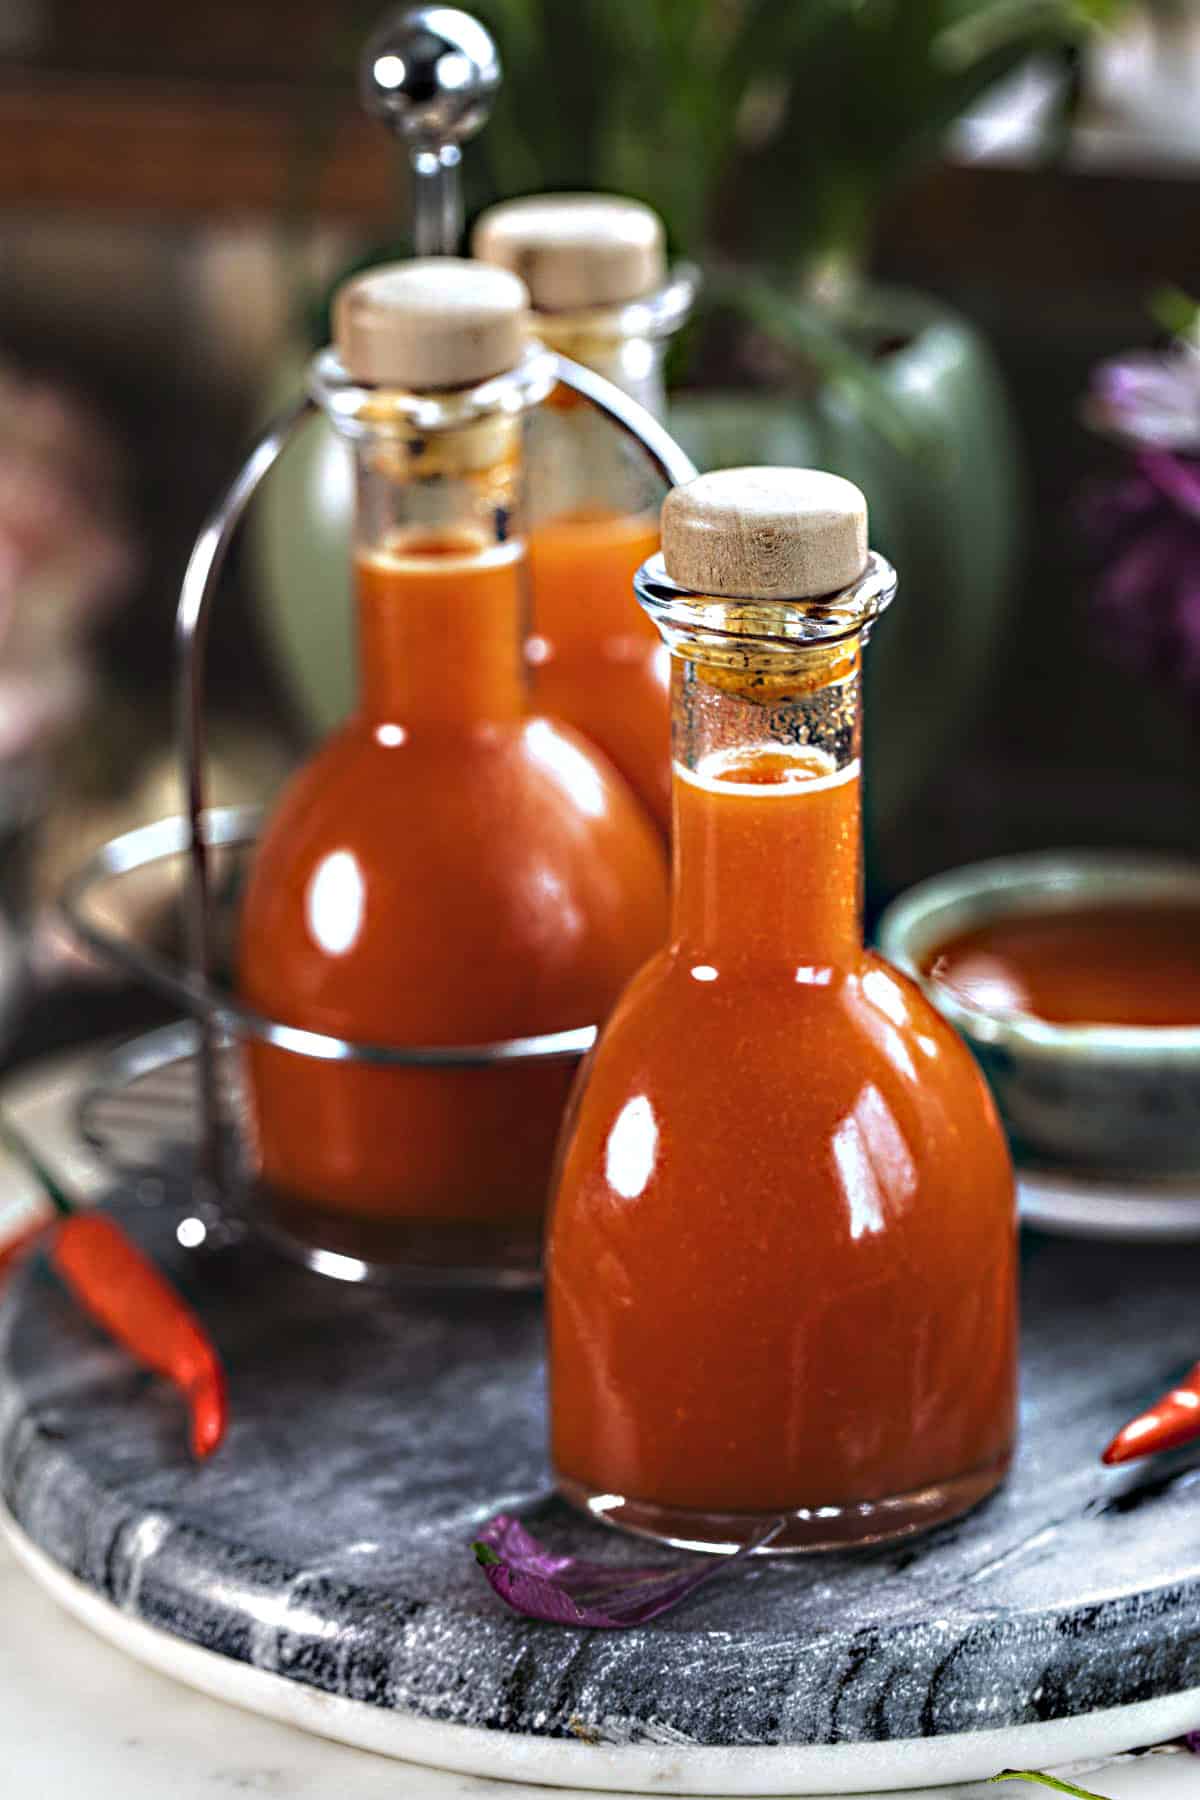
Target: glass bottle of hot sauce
(595,265)
(781,1255)
(448,869)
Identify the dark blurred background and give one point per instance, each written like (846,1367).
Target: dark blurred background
(925,223)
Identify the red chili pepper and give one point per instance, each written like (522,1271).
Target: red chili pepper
(120,1287)
(1170,1422)
(125,1293)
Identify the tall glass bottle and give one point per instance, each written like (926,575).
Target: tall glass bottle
(596,270)
(781,1257)
(448,869)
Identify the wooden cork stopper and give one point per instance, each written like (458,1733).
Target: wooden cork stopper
(435,322)
(765,534)
(575,252)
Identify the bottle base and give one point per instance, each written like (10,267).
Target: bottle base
(844,1527)
(424,1253)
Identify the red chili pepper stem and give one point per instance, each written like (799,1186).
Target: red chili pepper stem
(1172,1421)
(18,1144)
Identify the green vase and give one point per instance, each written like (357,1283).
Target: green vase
(299,540)
(948,512)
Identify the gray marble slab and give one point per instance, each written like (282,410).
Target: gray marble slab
(329,1540)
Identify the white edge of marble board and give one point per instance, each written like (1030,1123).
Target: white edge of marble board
(844,1769)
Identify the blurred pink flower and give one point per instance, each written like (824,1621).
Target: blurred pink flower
(66,555)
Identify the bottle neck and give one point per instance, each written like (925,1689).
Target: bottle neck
(581,466)
(627,343)
(632,360)
(440,577)
(767,826)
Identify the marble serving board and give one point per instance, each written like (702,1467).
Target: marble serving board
(319,1568)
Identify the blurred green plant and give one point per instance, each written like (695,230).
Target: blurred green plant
(767,133)
(768,129)
(1175,312)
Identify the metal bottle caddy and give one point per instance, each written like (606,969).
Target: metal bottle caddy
(404,64)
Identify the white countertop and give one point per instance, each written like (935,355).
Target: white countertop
(80,1721)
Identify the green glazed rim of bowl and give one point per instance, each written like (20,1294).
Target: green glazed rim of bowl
(936,910)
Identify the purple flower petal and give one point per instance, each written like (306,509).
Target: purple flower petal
(1144,571)
(1131,601)
(1109,511)
(1192,1740)
(569,1590)
(1175,476)
(1148,398)
(1145,601)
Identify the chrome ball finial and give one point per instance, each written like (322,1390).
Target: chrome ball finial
(430,73)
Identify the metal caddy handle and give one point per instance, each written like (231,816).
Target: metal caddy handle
(429,74)
(201,830)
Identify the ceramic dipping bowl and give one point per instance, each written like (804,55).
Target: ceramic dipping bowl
(1101,1100)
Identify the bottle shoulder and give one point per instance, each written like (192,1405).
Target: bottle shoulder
(795,1048)
(512,885)
(531,782)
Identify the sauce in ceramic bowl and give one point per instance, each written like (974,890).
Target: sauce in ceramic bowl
(1115,964)
(1074,975)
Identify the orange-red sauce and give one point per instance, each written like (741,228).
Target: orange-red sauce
(446,870)
(596,659)
(781,1256)
(1120,964)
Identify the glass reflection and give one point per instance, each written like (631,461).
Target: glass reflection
(632,1148)
(335,902)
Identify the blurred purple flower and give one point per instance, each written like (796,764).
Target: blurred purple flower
(1149,399)
(1144,527)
